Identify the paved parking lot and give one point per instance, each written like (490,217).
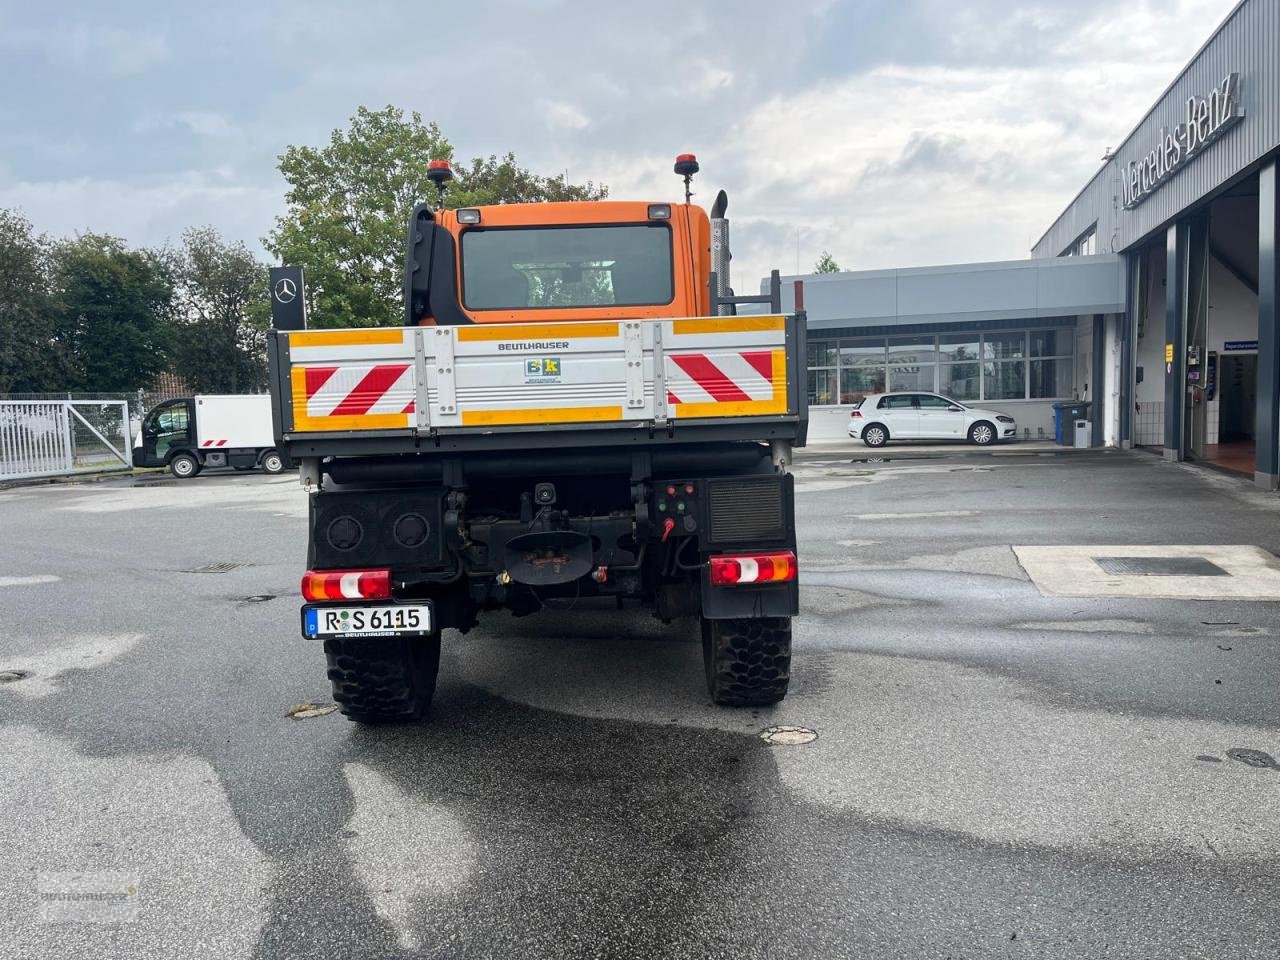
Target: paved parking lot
(998,773)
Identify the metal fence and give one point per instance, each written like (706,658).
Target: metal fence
(52,438)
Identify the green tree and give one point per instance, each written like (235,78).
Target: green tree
(222,315)
(826,264)
(114,307)
(348,207)
(30,361)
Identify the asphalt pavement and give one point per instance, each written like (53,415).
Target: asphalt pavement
(997,773)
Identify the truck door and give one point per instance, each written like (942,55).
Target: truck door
(169,425)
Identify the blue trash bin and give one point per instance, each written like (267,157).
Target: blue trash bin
(1065,415)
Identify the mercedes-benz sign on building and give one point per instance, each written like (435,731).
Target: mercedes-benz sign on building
(1153,295)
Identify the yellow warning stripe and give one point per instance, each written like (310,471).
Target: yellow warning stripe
(728,324)
(345,338)
(746,408)
(539,331)
(496,418)
(367,421)
(302,423)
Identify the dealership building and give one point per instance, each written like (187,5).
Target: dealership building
(1153,295)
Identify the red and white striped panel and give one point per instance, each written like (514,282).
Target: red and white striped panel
(215,443)
(355,390)
(728,377)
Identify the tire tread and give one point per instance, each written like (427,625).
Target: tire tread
(748,661)
(382,680)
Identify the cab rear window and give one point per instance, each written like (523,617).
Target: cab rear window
(519,268)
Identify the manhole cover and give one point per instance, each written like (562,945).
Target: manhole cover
(1254,758)
(258,598)
(788,736)
(13,676)
(1160,567)
(223,566)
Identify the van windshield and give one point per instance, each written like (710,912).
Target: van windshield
(517,268)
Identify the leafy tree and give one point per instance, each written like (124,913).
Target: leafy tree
(349,204)
(29,362)
(826,264)
(113,309)
(222,314)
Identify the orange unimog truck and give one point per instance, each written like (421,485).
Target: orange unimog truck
(576,408)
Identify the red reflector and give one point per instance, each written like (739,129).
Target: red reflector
(756,568)
(347,585)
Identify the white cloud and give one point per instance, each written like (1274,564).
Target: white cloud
(152,211)
(563,116)
(910,165)
(91,46)
(205,123)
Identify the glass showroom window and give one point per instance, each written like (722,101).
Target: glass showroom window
(1000,365)
(913,363)
(1051,363)
(822,372)
(861,368)
(1004,373)
(960,373)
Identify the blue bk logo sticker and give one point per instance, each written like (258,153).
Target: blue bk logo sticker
(542,370)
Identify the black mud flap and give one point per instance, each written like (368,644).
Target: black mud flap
(736,602)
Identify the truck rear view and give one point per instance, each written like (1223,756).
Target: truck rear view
(572,410)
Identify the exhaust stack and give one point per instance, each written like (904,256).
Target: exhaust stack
(720,255)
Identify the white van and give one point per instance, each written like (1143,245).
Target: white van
(191,433)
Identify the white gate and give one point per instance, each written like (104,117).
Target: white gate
(53,438)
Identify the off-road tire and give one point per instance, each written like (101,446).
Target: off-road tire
(184,466)
(983,433)
(879,435)
(272,462)
(748,662)
(383,679)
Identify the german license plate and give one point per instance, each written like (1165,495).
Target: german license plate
(374,620)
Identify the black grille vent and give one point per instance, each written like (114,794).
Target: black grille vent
(747,510)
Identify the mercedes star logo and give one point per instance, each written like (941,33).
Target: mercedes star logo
(285,290)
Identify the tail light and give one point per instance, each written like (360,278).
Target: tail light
(347,585)
(755,568)
(855,414)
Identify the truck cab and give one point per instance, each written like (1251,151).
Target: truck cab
(572,411)
(543,262)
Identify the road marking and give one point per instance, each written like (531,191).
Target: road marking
(83,653)
(923,515)
(1073,571)
(400,878)
(1088,626)
(28,581)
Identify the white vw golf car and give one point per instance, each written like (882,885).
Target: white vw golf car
(882,417)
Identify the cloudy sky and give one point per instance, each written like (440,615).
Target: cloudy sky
(890,133)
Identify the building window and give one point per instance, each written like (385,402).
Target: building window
(822,387)
(913,363)
(1085,245)
(1051,363)
(968,366)
(961,381)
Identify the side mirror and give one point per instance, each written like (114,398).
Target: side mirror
(954,409)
